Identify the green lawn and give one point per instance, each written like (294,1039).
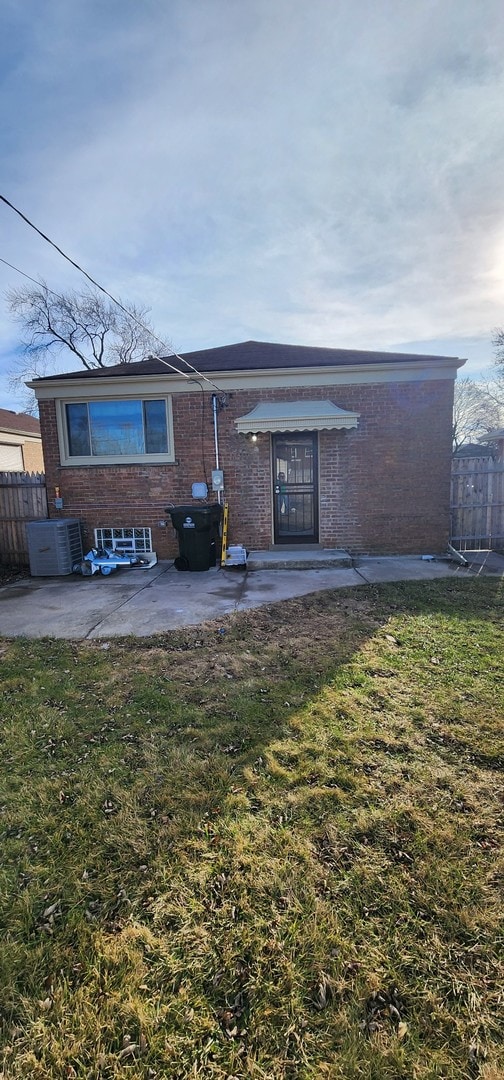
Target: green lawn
(269,847)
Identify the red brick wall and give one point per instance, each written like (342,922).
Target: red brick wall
(384,487)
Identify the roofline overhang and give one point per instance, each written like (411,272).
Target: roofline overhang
(492,436)
(351,374)
(20,431)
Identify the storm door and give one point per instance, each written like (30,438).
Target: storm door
(295,491)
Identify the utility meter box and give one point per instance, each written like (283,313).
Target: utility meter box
(217,480)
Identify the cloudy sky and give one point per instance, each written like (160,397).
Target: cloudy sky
(326,172)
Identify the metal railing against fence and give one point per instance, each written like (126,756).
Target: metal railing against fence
(477,504)
(23,498)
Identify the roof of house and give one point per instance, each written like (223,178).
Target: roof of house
(20,423)
(251,356)
(493,436)
(473,450)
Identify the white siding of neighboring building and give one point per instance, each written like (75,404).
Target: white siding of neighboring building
(11,458)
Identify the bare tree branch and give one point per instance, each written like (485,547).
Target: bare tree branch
(85,324)
(475,412)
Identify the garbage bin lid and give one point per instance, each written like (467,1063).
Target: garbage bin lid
(205,510)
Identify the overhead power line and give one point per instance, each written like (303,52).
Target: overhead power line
(110,296)
(58,296)
(27,276)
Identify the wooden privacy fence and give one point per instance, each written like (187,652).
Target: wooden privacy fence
(477,504)
(23,498)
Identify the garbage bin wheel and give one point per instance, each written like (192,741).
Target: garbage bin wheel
(106,570)
(181,563)
(86,568)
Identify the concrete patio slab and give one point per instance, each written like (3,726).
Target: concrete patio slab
(145,602)
(485,562)
(298,559)
(404,568)
(410,568)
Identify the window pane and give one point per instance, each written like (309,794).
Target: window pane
(116,428)
(156,434)
(78,430)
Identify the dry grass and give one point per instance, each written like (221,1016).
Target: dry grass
(269,852)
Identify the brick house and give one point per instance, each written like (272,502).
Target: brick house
(20,443)
(332,447)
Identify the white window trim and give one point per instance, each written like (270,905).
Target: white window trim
(113,459)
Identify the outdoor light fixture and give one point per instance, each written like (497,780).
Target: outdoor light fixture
(250,436)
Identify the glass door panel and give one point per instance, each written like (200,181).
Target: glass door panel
(295,495)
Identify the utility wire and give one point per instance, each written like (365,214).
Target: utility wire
(111,297)
(191,378)
(27,276)
(58,296)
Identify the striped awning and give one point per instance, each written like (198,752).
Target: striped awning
(295,416)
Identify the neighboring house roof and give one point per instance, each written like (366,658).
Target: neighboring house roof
(18,423)
(252,356)
(473,450)
(492,436)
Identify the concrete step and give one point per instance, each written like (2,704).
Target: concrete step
(312,559)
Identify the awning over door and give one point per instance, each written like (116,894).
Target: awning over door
(295,416)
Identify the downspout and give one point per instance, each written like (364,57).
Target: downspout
(216,438)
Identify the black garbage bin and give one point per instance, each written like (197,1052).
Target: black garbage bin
(198,534)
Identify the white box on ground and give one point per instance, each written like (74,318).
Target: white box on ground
(236,555)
